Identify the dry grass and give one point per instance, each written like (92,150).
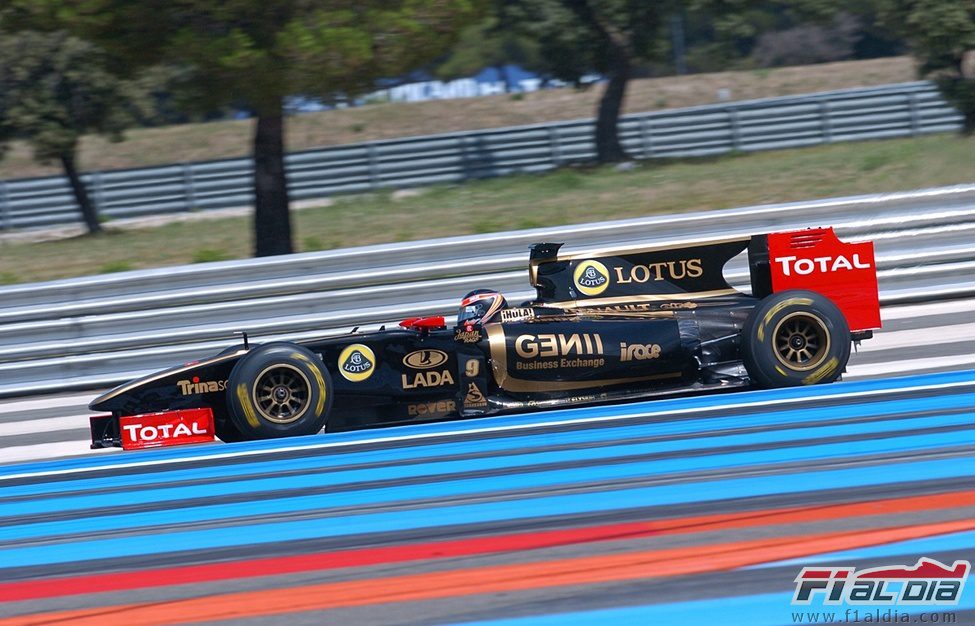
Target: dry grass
(195,142)
(562,197)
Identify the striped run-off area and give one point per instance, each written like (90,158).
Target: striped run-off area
(692,510)
(916,338)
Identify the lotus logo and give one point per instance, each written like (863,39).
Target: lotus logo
(591,278)
(357,362)
(425,359)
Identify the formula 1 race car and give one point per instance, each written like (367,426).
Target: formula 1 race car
(605,326)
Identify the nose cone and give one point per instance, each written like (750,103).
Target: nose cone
(96,404)
(135,391)
(104,401)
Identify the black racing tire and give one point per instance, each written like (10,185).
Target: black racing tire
(795,338)
(279,390)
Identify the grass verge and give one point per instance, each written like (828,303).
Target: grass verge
(561,197)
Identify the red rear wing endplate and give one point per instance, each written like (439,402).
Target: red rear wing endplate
(816,260)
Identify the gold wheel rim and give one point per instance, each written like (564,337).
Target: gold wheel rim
(801,341)
(281,393)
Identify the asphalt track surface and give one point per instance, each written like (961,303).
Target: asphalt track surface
(692,510)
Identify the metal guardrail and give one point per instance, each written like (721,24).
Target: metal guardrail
(899,110)
(104,329)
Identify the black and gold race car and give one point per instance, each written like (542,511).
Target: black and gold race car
(606,325)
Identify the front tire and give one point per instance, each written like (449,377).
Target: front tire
(279,390)
(795,338)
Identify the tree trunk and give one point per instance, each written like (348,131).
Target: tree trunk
(965,91)
(88,211)
(272,221)
(608,147)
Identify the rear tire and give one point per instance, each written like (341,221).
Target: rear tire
(795,338)
(279,390)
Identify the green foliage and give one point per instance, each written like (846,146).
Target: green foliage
(8,278)
(569,44)
(772,33)
(158,95)
(253,52)
(808,43)
(576,37)
(489,43)
(941,34)
(54,88)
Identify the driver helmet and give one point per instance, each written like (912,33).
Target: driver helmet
(479,306)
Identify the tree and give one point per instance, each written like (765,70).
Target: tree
(489,43)
(809,43)
(941,35)
(606,36)
(253,53)
(610,37)
(54,88)
(750,34)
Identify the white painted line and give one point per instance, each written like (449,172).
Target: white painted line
(909,365)
(914,311)
(45,425)
(540,423)
(76,401)
(50,451)
(921,230)
(919,337)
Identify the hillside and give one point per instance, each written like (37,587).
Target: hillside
(196,142)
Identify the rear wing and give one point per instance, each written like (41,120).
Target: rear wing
(816,260)
(605,277)
(811,259)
